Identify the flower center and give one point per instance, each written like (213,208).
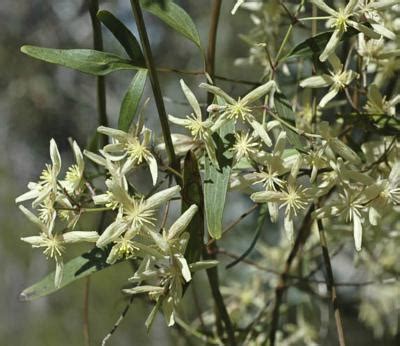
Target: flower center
(341,20)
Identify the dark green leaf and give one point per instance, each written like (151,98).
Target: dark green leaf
(123,35)
(316,44)
(76,269)
(174,16)
(131,100)
(285,112)
(216,181)
(192,193)
(85,60)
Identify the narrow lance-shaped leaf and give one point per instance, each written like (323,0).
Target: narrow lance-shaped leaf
(192,193)
(174,16)
(286,113)
(216,181)
(76,269)
(124,36)
(84,60)
(316,44)
(131,100)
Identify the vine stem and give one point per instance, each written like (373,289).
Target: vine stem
(101,82)
(330,283)
(280,289)
(212,42)
(155,84)
(210,251)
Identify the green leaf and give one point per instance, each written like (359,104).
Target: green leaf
(85,60)
(124,36)
(284,110)
(76,269)
(216,181)
(192,193)
(131,100)
(316,44)
(174,16)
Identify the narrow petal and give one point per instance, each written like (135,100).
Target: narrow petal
(324,7)
(114,133)
(260,131)
(357,226)
(289,227)
(182,222)
(331,45)
(33,218)
(27,196)
(328,97)
(316,82)
(259,92)
(143,289)
(55,156)
(266,196)
(59,272)
(177,121)
(111,233)
(343,150)
(280,144)
(163,196)
(184,268)
(35,241)
(191,99)
(100,160)
(380,29)
(152,162)
(364,29)
(218,92)
(78,236)
(194,267)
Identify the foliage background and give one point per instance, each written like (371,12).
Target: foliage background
(40,101)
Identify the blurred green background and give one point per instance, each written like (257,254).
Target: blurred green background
(39,101)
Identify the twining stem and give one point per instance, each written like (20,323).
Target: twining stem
(280,289)
(148,55)
(212,41)
(101,83)
(330,283)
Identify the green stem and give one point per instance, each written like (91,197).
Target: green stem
(148,55)
(101,83)
(212,42)
(330,283)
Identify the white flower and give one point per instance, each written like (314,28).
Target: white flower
(337,80)
(199,129)
(74,176)
(169,269)
(378,105)
(240,109)
(293,197)
(47,185)
(130,148)
(134,213)
(340,20)
(54,243)
(351,205)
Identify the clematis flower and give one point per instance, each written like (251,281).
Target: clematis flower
(340,20)
(130,148)
(337,80)
(134,214)
(54,243)
(199,129)
(293,197)
(168,269)
(378,105)
(350,205)
(240,109)
(47,185)
(74,176)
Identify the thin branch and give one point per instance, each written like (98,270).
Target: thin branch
(330,283)
(302,236)
(101,83)
(212,42)
(148,55)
